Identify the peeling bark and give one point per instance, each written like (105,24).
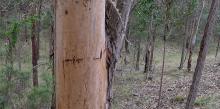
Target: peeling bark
(116,26)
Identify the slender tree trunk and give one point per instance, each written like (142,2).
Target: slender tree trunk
(217,48)
(193,40)
(183,54)
(19,56)
(34,54)
(152,48)
(189,65)
(148,48)
(138,55)
(150,76)
(167,32)
(202,55)
(127,52)
(127,46)
(9,63)
(147,60)
(189,43)
(38,26)
(81,74)
(162,73)
(52,55)
(35,39)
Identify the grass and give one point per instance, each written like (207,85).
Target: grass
(202,101)
(178,99)
(124,82)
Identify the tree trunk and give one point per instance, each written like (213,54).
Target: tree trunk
(217,48)
(147,60)
(127,46)
(19,58)
(34,54)
(81,74)
(150,50)
(163,66)
(150,76)
(189,65)
(167,32)
(138,55)
(202,55)
(52,56)
(148,47)
(35,39)
(127,52)
(116,26)
(182,61)
(193,39)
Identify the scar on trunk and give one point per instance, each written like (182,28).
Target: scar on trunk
(74,60)
(76,1)
(86,2)
(100,56)
(66,12)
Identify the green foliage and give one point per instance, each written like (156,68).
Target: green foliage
(47,19)
(143,13)
(41,96)
(202,101)
(179,99)
(10,80)
(14,28)
(192,7)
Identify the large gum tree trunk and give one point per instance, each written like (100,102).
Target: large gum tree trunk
(81,75)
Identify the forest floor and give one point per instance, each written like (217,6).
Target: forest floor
(132,90)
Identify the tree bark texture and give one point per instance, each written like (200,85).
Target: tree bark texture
(81,75)
(35,51)
(116,26)
(35,39)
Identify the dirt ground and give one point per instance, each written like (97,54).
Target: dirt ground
(133,91)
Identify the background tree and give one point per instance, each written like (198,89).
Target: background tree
(202,54)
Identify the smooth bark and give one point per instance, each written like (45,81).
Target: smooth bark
(138,55)
(81,74)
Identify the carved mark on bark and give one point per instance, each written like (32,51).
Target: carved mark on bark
(66,12)
(100,56)
(76,1)
(86,2)
(74,60)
